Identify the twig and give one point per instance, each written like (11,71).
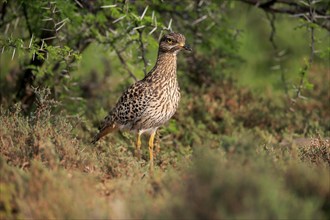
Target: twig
(142,48)
(271,18)
(27,19)
(294,8)
(311,56)
(199,20)
(79,4)
(123,62)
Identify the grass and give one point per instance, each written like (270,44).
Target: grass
(237,148)
(255,168)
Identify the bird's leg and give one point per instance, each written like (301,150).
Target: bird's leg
(138,146)
(151,150)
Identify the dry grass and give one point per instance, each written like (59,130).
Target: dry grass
(238,161)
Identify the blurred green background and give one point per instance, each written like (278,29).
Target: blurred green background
(250,139)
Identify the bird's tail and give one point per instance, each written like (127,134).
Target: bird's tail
(95,139)
(103,131)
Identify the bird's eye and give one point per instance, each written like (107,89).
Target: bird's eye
(169,41)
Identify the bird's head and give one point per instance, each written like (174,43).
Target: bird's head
(173,43)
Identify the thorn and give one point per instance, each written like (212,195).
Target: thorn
(49,38)
(57,29)
(210,26)
(78,3)
(118,19)
(153,30)
(169,25)
(140,27)
(31,41)
(16,23)
(45,29)
(109,6)
(42,44)
(160,35)
(12,57)
(58,23)
(7,28)
(144,12)
(47,19)
(113,31)
(156,21)
(199,20)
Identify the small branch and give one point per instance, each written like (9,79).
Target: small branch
(293,8)
(142,48)
(3,11)
(27,19)
(285,86)
(312,13)
(127,44)
(271,18)
(123,62)
(79,4)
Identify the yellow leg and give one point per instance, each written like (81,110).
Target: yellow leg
(138,146)
(151,150)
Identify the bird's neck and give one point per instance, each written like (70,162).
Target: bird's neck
(165,65)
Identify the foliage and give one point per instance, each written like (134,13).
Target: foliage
(243,178)
(249,140)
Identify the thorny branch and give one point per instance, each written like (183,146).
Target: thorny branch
(312,13)
(142,48)
(271,18)
(307,11)
(27,19)
(295,8)
(123,62)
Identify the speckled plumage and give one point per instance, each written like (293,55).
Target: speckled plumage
(152,101)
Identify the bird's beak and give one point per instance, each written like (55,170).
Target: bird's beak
(186,47)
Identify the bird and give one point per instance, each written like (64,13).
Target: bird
(151,102)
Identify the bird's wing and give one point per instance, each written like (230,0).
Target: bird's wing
(130,106)
(128,109)
(133,102)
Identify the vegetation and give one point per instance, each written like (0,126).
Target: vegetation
(250,139)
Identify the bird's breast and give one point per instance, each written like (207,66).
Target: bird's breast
(168,97)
